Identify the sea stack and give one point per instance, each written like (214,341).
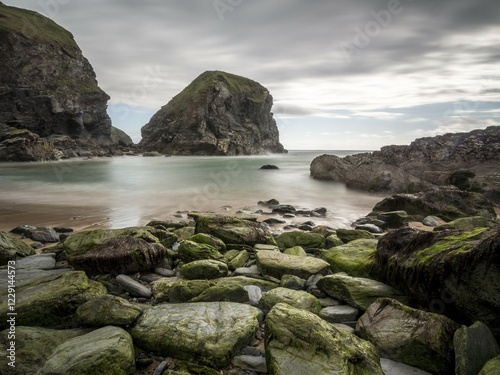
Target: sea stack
(217,114)
(50,103)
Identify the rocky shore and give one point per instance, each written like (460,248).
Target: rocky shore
(467,160)
(229,294)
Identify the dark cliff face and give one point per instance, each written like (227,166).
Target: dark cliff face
(46,87)
(217,114)
(425,162)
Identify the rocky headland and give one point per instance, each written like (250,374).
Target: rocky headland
(467,160)
(51,106)
(227,294)
(216,114)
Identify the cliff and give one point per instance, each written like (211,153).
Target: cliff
(50,103)
(467,160)
(217,114)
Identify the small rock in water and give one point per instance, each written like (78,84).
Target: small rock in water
(135,288)
(269,166)
(274,221)
(269,203)
(372,228)
(283,209)
(320,211)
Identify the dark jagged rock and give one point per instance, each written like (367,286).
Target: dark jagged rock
(447,202)
(269,166)
(451,272)
(425,162)
(217,114)
(50,103)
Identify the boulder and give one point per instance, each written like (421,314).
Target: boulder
(492,367)
(190,251)
(225,289)
(233,229)
(474,346)
(108,350)
(447,202)
(357,292)
(465,223)
(413,337)
(34,345)
(296,250)
(450,272)
(296,298)
(210,333)
(216,114)
(106,311)
(432,221)
(208,239)
(128,250)
(353,258)
(276,264)
(51,301)
(292,282)
(12,247)
(204,269)
(393,219)
(299,342)
(299,238)
(236,259)
(348,235)
(45,261)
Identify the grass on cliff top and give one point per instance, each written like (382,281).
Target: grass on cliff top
(34,26)
(200,88)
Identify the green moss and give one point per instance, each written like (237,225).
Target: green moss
(34,26)
(450,245)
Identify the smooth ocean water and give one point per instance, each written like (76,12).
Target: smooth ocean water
(131,190)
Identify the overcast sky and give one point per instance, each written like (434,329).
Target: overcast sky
(346,74)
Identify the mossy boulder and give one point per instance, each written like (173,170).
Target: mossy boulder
(190,251)
(447,202)
(296,298)
(233,229)
(357,291)
(51,301)
(413,337)
(108,350)
(492,367)
(225,289)
(125,250)
(474,346)
(299,342)
(276,264)
(353,258)
(298,238)
(204,269)
(107,310)
(348,235)
(209,333)
(465,223)
(296,250)
(12,247)
(209,240)
(34,345)
(332,241)
(452,272)
(236,258)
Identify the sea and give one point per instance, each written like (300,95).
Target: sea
(131,190)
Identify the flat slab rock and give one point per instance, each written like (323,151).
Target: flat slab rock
(210,332)
(276,264)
